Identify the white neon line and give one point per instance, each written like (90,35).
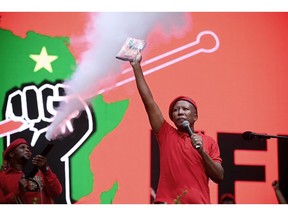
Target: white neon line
(67,182)
(194,43)
(217,43)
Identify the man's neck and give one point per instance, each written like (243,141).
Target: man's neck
(18,164)
(18,167)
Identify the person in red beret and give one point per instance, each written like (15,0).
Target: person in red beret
(187,160)
(227,198)
(15,188)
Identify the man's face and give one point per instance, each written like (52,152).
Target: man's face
(183,110)
(22,151)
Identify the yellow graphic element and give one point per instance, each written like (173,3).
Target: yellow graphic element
(43,60)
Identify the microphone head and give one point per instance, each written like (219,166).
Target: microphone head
(247,135)
(185,124)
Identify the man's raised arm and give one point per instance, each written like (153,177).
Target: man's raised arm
(154,114)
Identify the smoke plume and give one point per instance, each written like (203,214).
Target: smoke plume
(105,34)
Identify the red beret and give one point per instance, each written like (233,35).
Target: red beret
(181,98)
(13,145)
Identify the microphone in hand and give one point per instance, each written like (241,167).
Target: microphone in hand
(186,126)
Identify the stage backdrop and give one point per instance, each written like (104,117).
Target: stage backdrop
(233,64)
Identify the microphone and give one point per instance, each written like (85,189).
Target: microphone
(186,126)
(248,135)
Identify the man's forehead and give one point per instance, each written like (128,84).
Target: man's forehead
(22,144)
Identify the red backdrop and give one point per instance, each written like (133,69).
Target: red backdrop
(240,86)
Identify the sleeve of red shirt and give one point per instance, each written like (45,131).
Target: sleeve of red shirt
(51,183)
(214,151)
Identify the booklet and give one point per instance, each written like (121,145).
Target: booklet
(130,49)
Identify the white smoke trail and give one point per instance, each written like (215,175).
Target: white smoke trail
(105,35)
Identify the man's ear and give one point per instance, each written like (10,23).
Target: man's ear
(195,116)
(11,154)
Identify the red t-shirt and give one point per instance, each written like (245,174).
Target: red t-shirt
(49,188)
(182,172)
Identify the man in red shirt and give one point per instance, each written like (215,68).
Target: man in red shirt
(15,188)
(187,161)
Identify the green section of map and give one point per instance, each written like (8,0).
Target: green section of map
(107,120)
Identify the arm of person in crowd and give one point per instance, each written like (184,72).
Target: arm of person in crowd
(51,181)
(278,193)
(154,114)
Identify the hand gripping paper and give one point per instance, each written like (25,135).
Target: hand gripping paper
(130,49)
